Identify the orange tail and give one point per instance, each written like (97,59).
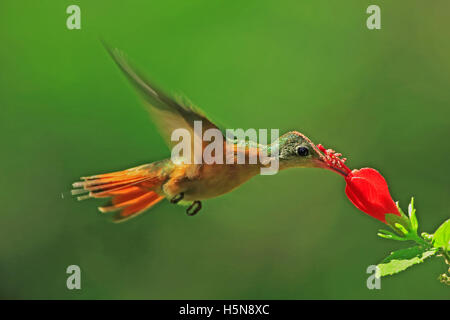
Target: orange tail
(132,191)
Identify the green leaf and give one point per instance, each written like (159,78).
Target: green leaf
(442,236)
(412,215)
(402,259)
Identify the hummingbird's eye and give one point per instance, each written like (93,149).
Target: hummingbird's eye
(302,151)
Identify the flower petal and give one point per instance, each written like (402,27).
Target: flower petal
(368,191)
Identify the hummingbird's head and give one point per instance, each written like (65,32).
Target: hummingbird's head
(297,151)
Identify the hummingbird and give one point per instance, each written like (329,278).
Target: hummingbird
(135,190)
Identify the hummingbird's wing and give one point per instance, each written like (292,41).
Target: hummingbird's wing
(167,113)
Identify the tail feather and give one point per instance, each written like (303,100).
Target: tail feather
(145,202)
(108,187)
(125,200)
(132,191)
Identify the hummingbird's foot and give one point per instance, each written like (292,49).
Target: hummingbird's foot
(177,198)
(194,208)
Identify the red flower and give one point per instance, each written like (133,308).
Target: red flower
(366,187)
(368,191)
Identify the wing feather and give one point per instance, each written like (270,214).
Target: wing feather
(166,112)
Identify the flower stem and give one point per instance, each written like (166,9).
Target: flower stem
(419,240)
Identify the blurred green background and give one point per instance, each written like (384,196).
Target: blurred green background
(380,97)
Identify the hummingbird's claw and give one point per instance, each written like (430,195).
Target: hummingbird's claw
(177,198)
(194,208)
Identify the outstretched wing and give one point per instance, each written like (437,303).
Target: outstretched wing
(166,112)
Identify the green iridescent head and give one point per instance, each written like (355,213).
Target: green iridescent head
(298,151)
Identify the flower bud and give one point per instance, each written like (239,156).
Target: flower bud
(368,191)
